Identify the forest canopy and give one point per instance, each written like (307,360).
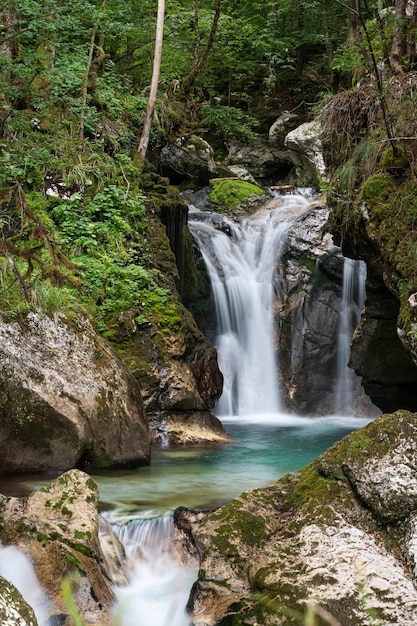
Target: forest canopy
(75,78)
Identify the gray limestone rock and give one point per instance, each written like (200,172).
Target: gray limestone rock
(320,542)
(65,399)
(305,150)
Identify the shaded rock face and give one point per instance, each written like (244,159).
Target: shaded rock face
(264,157)
(65,400)
(189,159)
(58,528)
(308,287)
(379,356)
(321,538)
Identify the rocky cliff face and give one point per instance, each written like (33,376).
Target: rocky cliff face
(174,364)
(372,217)
(66,400)
(309,305)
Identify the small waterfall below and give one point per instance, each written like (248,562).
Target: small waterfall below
(17,568)
(160,575)
(240,259)
(353,300)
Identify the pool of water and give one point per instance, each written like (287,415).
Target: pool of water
(264,448)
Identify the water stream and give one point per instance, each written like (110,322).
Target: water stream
(266,442)
(353,300)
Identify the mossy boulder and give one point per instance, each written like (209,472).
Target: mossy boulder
(58,528)
(230,194)
(66,400)
(380,462)
(331,542)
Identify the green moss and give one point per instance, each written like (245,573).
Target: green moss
(373,440)
(376,191)
(312,489)
(231,193)
(394,163)
(237,526)
(74,561)
(91,484)
(196,141)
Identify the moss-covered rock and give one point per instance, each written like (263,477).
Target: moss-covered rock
(331,541)
(66,400)
(58,528)
(230,193)
(14,610)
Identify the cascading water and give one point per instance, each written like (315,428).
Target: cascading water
(240,265)
(159,580)
(17,568)
(353,300)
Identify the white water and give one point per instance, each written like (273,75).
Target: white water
(17,568)
(240,267)
(353,300)
(159,582)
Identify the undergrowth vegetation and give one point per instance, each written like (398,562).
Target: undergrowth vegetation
(374,187)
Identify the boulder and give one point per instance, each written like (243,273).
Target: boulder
(65,399)
(188,428)
(284,124)
(189,158)
(319,544)
(58,529)
(263,158)
(305,151)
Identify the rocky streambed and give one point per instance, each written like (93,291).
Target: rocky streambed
(336,539)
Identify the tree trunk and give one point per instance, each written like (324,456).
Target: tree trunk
(198,68)
(411,38)
(399,36)
(84,86)
(355,25)
(144,140)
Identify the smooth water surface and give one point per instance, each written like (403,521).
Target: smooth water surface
(264,448)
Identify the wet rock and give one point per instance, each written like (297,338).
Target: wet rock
(65,399)
(14,610)
(320,540)
(187,428)
(58,528)
(309,298)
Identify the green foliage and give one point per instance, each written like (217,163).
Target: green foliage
(67,595)
(228,122)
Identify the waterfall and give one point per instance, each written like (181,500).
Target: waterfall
(159,580)
(240,259)
(17,568)
(353,300)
